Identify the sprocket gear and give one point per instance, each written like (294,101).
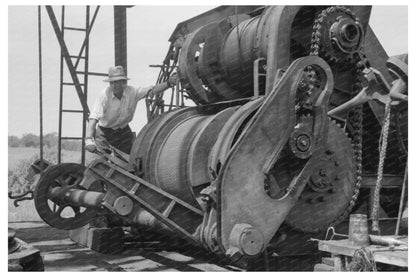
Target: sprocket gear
(337,35)
(330,189)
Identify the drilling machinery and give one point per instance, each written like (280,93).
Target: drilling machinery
(286,99)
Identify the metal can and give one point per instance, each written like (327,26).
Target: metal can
(358,230)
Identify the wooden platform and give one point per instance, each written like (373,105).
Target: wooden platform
(397,255)
(59,253)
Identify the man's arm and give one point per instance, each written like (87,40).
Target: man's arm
(92,125)
(89,139)
(160,88)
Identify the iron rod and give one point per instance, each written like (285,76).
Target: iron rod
(86,45)
(72,111)
(75,29)
(92,73)
(61,90)
(40,85)
(120,37)
(72,138)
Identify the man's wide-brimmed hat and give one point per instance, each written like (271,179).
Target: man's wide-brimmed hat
(116,73)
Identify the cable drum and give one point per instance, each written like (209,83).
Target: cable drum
(217,60)
(170,161)
(237,56)
(145,142)
(179,151)
(199,173)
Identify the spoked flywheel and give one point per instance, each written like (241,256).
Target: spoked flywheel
(50,194)
(328,193)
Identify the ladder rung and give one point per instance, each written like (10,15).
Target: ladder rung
(92,73)
(73,138)
(71,84)
(76,57)
(75,29)
(73,111)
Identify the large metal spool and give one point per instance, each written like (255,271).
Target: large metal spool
(216,60)
(181,151)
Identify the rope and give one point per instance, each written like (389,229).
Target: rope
(363,260)
(382,149)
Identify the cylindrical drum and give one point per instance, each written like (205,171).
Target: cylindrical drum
(358,230)
(238,55)
(181,151)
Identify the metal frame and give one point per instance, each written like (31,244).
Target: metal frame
(81,88)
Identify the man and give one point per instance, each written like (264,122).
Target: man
(114,109)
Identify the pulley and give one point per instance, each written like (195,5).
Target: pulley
(57,193)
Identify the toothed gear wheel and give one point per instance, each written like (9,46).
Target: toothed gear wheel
(337,35)
(330,189)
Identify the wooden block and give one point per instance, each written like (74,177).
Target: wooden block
(338,266)
(80,235)
(328,261)
(323,268)
(105,240)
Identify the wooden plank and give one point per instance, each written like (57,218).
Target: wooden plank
(382,254)
(323,268)
(389,181)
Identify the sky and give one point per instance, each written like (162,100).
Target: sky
(148,30)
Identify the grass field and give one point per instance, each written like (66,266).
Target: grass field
(16,155)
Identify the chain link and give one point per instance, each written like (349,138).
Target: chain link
(356,118)
(316,42)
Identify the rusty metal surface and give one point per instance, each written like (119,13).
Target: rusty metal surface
(213,68)
(172,160)
(145,141)
(166,207)
(189,60)
(198,166)
(228,135)
(216,14)
(240,185)
(238,53)
(330,188)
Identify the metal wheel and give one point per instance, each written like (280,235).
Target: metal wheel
(52,207)
(330,188)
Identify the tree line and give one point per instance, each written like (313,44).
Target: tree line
(49,140)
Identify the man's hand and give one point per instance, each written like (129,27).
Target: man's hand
(173,80)
(90,145)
